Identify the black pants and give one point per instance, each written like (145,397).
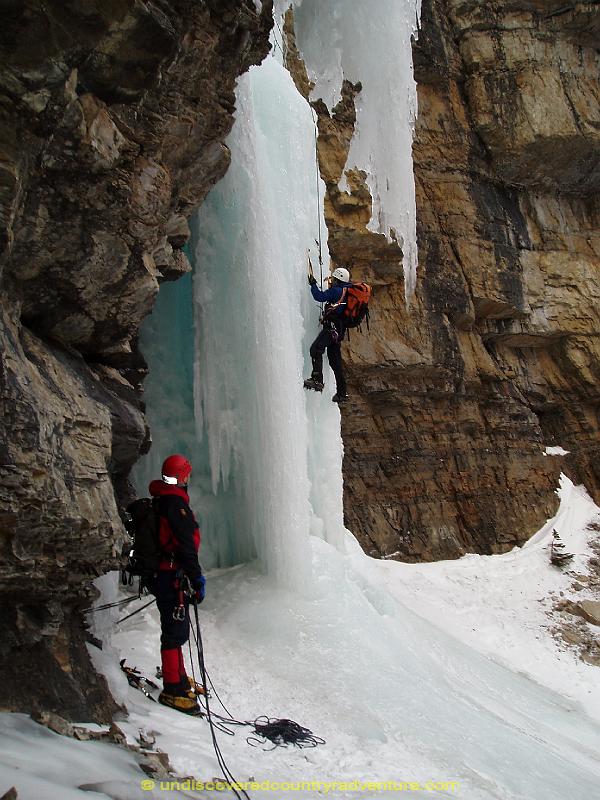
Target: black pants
(174,632)
(329,339)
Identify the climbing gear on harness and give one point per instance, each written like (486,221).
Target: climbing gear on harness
(334,332)
(176,470)
(182,584)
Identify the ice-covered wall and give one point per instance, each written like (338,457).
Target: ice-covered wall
(370,43)
(267,455)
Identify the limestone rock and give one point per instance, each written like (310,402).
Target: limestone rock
(178,230)
(454,399)
(588,609)
(112,125)
(55,723)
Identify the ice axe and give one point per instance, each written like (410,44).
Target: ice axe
(310,273)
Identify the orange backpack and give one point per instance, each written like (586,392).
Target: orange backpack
(356,297)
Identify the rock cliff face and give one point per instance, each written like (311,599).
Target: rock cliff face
(455,399)
(112,121)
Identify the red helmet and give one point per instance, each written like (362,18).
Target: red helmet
(176,469)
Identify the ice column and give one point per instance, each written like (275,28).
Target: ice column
(252,304)
(370,42)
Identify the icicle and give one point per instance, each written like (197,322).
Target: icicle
(351,39)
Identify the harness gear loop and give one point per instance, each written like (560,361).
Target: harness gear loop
(180,585)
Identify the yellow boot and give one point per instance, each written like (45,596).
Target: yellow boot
(193,688)
(180,700)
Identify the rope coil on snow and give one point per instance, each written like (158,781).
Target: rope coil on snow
(282,732)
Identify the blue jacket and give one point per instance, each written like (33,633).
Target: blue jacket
(332,295)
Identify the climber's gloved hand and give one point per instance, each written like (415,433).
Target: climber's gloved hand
(311,280)
(199,587)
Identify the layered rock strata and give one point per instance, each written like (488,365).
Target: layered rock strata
(112,123)
(456,398)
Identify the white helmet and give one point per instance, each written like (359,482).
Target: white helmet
(342,274)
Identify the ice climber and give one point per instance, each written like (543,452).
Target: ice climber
(178,571)
(331,335)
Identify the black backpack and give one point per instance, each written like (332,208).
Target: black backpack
(142,523)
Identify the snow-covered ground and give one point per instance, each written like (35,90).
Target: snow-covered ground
(503,605)
(442,673)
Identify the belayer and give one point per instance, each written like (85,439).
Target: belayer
(178,579)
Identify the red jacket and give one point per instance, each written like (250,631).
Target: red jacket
(179,533)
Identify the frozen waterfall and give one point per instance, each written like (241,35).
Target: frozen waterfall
(370,43)
(308,620)
(267,456)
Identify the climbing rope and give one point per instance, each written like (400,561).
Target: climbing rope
(280,732)
(220,760)
(317,175)
(276,43)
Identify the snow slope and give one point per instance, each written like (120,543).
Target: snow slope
(442,673)
(439,672)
